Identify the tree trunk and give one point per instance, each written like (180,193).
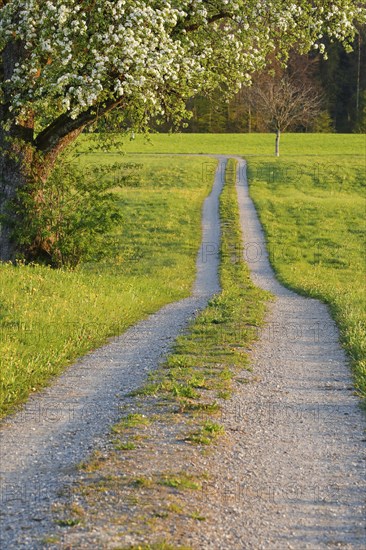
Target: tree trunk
(12,179)
(17,153)
(277,146)
(16,167)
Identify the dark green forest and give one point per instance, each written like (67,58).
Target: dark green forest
(339,80)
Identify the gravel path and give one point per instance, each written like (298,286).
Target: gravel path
(59,427)
(294,473)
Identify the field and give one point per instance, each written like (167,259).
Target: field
(311,202)
(313,213)
(50,317)
(293,145)
(312,205)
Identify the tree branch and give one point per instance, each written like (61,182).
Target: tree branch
(64,125)
(195,26)
(212,19)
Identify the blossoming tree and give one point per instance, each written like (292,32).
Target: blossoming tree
(67,63)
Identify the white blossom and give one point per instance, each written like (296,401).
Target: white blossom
(81,54)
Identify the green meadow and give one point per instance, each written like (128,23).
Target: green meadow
(334,145)
(313,212)
(50,317)
(311,202)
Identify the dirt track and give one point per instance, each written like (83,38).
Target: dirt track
(59,427)
(292,474)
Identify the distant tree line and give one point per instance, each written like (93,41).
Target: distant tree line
(339,83)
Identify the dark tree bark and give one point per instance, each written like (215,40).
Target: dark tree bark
(17,154)
(13,176)
(277,146)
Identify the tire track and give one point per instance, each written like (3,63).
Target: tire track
(295,475)
(59,427)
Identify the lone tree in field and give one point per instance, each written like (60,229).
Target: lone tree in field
(66,64)
(285,103)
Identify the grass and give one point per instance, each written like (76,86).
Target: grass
(131,421)
(197,516)
(50,317)
(207,433)
(239,144)
(312,204)
(181,482)
(143,482)
(313,212)
(205,361)
(127,446)
(69,522)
